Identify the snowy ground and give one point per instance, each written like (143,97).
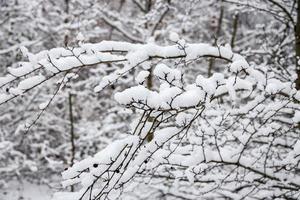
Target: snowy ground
(26,191)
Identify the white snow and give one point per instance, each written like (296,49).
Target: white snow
(80,37)
(296,118)
(141,77)
(31,82)
(174,37)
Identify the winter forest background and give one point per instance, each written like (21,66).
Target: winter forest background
(149,99)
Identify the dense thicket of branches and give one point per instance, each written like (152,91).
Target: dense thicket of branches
(125,99)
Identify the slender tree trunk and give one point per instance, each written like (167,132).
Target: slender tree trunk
(148,5)
(67,8)
(297,46)
(218,32)
(149,80)
(111,30)
(234,31)
(72,134)
(148,9)
(150,77)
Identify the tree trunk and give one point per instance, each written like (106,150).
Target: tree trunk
(234,31)
(72,135)
(218,33)
(66,39)
(297,46)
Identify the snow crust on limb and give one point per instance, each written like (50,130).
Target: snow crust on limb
(58,60)
(141,77)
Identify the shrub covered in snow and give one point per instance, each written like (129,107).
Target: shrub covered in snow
(233,134)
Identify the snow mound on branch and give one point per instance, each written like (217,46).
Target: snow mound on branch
(163,72)
(31,82)
(141,77)
(174,37)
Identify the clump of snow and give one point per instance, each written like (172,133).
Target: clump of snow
(136,57)
(24,68)
(209,85)
(297,147)
(163,72)
(136,93)
(141,77)
(296,118)
(191,97)
(24,51)
(43,105)
(80,37)
(183,119)
(274,86)
(107,80)
(190,175)
(31,82)
(238,65)
(174,37)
